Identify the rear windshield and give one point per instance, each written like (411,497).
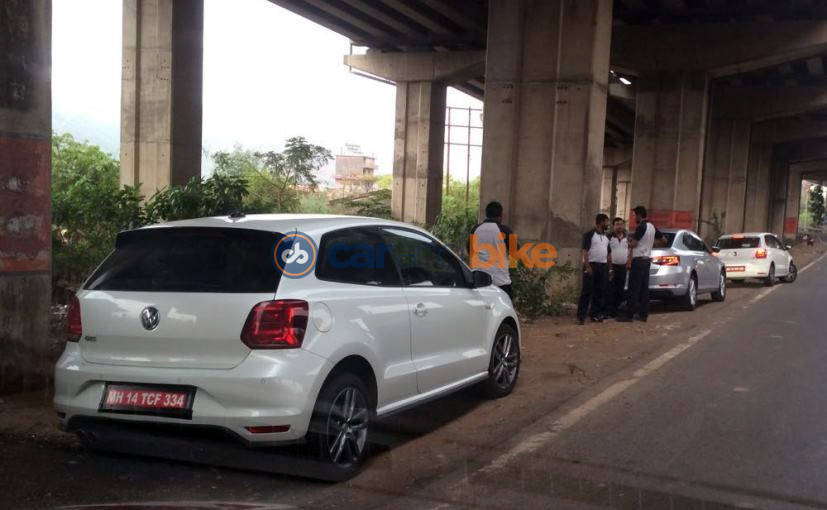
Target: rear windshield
(733,243)
(190,260)
(668,239)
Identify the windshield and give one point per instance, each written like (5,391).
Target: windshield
(733,243)
(190,260)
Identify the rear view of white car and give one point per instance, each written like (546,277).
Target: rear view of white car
(756,255)
(197,323)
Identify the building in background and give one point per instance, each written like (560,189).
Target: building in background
(355,171)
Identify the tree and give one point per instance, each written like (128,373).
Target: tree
(275,178)
(816,205)
(89,207)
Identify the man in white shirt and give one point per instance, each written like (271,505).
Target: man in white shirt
(618,255)
(492,232)
(595,271)
(640,259)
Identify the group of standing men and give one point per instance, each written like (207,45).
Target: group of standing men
(616,269)
(615,265)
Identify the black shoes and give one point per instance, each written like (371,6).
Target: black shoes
(597,318)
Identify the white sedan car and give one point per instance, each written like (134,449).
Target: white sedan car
(756,255)
(281,328)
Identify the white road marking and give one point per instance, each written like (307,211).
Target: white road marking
(571,418)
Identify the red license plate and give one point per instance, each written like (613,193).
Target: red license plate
(735,269)
(151,400)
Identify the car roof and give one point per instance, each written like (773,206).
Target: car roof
(748,234)
(307,223)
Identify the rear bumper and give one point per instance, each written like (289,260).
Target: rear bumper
(268,388)
(751,269)
(669,281)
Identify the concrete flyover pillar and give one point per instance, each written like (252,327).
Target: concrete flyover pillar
(421,79)
(670,131)
(161,86)
(725,177)
(418,151)
(545,111)
(25,199)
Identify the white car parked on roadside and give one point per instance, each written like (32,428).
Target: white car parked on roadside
(281,328)
(756,255)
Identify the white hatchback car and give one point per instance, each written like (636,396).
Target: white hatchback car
(756,255)
(281,328)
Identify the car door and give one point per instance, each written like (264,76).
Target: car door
(449,318)
(361,289)
(778,255)
(696,253)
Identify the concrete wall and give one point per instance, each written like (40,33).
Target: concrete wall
(670,133)
(545,113)
(25,199)
(725,177)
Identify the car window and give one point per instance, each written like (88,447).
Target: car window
(772,242)
(190,259)
(692,243)
(734,243)
(356,255)
(422,261)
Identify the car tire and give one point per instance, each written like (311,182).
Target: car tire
(792,275)
(690,300)
(720,294)
(340,425)
(504,366)
(769,281)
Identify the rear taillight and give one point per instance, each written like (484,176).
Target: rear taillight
(276,324)
(73,323)
(667,260)
(760,253)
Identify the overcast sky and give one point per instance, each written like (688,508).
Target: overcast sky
(268,75)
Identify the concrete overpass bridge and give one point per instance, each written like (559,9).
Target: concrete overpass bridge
(724,114)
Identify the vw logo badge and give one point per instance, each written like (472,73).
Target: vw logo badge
(150,318)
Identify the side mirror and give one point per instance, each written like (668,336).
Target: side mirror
(481,279)
(716,249)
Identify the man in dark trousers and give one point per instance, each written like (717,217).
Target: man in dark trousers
(640,258)
(618,255)
(492,232)
(595,271)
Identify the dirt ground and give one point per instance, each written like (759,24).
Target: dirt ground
(560,360)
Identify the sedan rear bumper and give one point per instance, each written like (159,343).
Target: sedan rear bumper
(668,281)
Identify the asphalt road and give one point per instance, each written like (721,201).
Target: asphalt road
(729,412)
(738,417)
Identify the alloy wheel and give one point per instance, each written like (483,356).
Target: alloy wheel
(505,360)
(347,426)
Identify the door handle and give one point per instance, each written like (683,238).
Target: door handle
(420,310)
(489,305)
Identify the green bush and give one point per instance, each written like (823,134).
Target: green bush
(533,290)
(215,196)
